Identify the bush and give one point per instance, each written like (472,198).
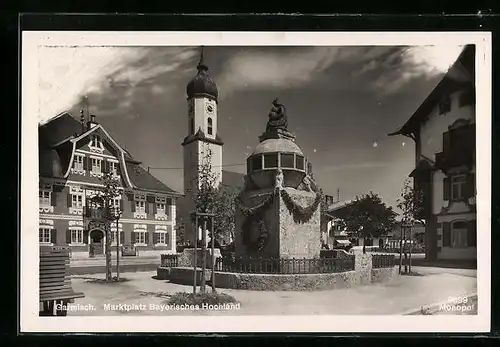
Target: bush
(183,298)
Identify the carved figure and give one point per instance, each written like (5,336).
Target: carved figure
(308,183)
(279,179)
(277,117)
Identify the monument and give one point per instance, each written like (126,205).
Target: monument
(277,212)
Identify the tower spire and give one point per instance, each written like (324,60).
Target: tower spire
(201,64)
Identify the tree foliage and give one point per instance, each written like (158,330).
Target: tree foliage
(368,217)
(211,197)
(410,203)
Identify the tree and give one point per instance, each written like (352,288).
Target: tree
(411,205)
(204,188)
(368,217)
(103,201)
(224,210)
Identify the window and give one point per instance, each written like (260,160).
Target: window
(113,167)
(445,105)
(160,208)
(76,236)
(287,160)
(78,162)
(95,141)
(299,162)
(270,161)
(76,201)
(140,206)
(459,235)
(256,163)
(44,197)
(466,98)
(458,187)
(44,235)
(191,125)
(96,165)
(140,237)
(210,126)
(162,238)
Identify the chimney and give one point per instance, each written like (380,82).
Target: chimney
(91,123)
(82,120)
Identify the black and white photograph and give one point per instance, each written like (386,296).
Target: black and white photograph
(233,181)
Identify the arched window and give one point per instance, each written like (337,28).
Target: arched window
(210,127)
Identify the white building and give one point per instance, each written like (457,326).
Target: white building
(443,128)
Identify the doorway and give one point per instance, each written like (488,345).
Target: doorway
(96,242)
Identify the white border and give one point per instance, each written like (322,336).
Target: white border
(31,322)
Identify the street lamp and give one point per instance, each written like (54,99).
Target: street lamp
(118,213)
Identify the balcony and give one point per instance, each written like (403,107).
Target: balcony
(161,216)
(140,215)
(448,160)
(46,209)
(95,213)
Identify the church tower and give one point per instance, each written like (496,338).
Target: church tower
(202,142)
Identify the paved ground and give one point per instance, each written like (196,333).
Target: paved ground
(399,296)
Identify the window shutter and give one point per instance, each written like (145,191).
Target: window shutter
(133,237)
(446,143)
(85,236)
(68,236)
(146,238)
(122,237)
(118,171)
(104,167)
(53,198)
(146,206)
(70,201)
(469,187)
(154,207)
(446,188)
(53,236)
(132,205)
(167,238)
(446,234)
(85,166)
(155,238)
(471,234)
(121,204)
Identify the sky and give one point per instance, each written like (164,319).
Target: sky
(341,103)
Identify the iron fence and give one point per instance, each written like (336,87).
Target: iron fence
(169,260)
(284,266)
(383,261)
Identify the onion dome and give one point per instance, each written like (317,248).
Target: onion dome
(202,84)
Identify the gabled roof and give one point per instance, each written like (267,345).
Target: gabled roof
(143,180)
(61,128)
(338,205)
(450,83)
(64,129)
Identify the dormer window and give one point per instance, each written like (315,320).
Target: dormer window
(78,162)
(96,143)
(210,126)
(113,167)
(445,105)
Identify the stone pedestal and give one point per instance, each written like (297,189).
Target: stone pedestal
(363,265)
(288,236)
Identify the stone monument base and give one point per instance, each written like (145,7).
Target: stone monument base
(286,233)
(186,258)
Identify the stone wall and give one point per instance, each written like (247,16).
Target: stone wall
(299,239)
(362,274)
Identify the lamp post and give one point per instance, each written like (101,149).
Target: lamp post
(117,216)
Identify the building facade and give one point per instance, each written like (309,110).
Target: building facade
(73,158)
(443,128)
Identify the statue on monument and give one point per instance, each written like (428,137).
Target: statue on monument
(277,117)
(279,179)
